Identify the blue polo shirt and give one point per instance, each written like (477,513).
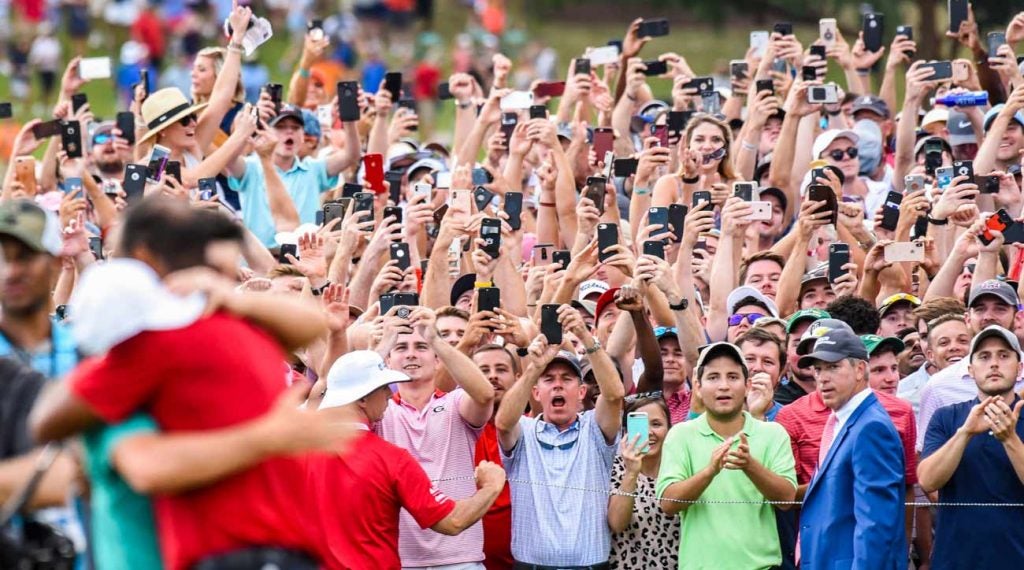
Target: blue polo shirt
(968,537)
(304,181)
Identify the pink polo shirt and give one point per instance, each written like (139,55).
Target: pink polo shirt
(444,445)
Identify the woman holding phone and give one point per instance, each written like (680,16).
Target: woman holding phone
(643,535)
(705,164)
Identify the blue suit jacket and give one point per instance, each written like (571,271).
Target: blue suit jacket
(853,516)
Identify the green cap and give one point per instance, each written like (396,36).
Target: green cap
(805,315)
(874,343)
(26,222)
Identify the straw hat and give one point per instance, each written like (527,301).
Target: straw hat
(164,108)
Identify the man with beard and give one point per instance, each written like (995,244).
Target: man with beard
(726,454)
(109,153)
(439,429)
(501,368)
(924,321)
(973,454)
(992,302)
(561,447)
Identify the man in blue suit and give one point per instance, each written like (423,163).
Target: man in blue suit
(852,516)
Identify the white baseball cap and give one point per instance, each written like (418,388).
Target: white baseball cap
(826,138)
(592,287)
(355,375)
(740,293)
(118,299)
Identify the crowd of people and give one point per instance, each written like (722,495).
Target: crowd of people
(772,322)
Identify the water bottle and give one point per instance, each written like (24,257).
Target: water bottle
(963,99)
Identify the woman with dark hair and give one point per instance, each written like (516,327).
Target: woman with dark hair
(644,536)
(704,164)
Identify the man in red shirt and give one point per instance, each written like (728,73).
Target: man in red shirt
(219,371)
(501,369)
(358,505)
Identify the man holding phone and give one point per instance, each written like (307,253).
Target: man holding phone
(535,449)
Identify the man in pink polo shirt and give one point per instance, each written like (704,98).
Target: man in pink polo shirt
(439,429)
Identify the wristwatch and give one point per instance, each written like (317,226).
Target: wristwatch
(317,291)
(936,222)
(522,352)
(595,348)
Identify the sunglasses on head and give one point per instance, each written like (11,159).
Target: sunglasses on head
(643,396)
(837,154)
(102,138)
(751,318)
(187,120)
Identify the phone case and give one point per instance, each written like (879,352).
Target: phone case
(607,236)
(891,211)
(604,139)
(658,216)
(348,101)
(637,423)
(373,174)
(549,325)
(393,211)
(364,204)
(25,173)
(761,211)
(562,257)
(655,248)
(542,254)
(904,251)
(957,13)
(488,299)
(71,139)
(873,25)
(653,28)
(400,253)
(838,256)
(514,209)
(677,220)
(393,84)
(623,167)
(288,249)
(595,191)
(333,211)
(482,197)
(490,232)
(827,30)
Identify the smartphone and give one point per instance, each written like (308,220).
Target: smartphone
(334,210)
(904,251)
(439,213)
(818,51)
(134,183)
(660,131)
(481,176)
(760,211)
(658,216)
(595,191)
(916,182)
(873,28)
(348,101)
(488,299)
(603,55)
(393,212)
(350,189)
(654,248)
(94,68)
(173,169)
(508,124)
(823,94)
(157,162)
(514,208)
(822,193)
(542,254)
(549,325)
(604,139)
(607,236)
(25,173)
(490,232)
(444,91)
(677,220)
(207,188)
(315,29)
(998,221)
(759,41)
(407,299)
(461,200)
(71,138)
(517,100)
(73,185)
(652,28)
(78,100)
(561,257)
(701,196)
(373,173)
(743,191)
(655,68)
(963,168)
(957,14)
(905,31)
(943,70)
(393,85)
(783,28)
(96,247)
(987,184)
(126,124)
(623,167)
(549,89)
(46,130)
(364,203)
(838,256)
(891,211)
(400,253)
(482,197)
(144,81)
(920,228)
(581,66)
(827,30)
(637,425)
(287,249)
(276,93)
(809,73)
(738,69)
(387,302)
(538,112)
(765,85)
(932,156)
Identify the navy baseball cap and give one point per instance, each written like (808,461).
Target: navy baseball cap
(834,346)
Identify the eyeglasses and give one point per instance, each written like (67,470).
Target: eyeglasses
(189,119)
(837,154)
(751,318)
(561,446)
(102,138)
(655,395)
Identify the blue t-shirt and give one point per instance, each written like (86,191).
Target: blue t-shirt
(304,182)
(976,537)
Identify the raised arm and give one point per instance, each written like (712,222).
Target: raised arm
(222,96)
(312,51)
(608,410)
(723,267)
(515,400)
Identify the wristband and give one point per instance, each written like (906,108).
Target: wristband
(748,146)
(863,72)
(304,73)
(693,180)
(320,290)
(937,222)
(482,284)
(232,48)
(641,191)
(681,305)
(465,105)
(547,204)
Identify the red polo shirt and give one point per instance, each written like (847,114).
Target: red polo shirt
(498,520)
(805,419)
(359,500)
(218,372)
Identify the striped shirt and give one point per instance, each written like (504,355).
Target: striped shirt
(444,445)
(553,525)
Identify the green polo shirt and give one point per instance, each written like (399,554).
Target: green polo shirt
(726,536)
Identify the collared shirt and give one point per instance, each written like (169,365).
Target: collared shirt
(789,391)
(444,444)
(976,537)
(678,406)
(553,525)
(846,410)
(910,387)
(805,419)
(304,181)
(951,385)
(59,358)
(745,534)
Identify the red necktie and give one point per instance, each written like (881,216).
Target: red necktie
(826,438)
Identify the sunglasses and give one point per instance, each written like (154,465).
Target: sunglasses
(548,446)
(187,120)
(102,138)
(751,318)
(837,154)
(970,268)
(643,396)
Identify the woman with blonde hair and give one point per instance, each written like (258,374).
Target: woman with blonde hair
(210,67)
(705,163)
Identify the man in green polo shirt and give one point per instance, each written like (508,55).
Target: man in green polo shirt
(726,454)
